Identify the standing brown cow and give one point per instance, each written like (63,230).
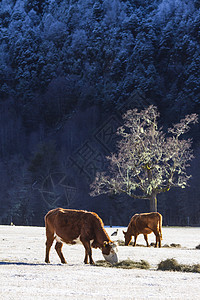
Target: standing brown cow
(66,225)
(144,223)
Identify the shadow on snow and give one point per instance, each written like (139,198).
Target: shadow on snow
(3,263)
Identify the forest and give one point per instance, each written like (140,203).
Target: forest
(69,70)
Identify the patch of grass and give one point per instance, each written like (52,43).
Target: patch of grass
(171,264)
(130,264)
(195,268)
(165,246)
(124,264)
(192,269)
(103,263)
(122,243)
(173,245)
(152,244)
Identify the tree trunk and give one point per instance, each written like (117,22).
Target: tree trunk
(153,203)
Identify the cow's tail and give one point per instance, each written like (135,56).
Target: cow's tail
(160,225)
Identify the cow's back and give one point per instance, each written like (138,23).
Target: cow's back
(147,222)
(69,224)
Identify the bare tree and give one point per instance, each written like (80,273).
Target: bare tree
(148,162)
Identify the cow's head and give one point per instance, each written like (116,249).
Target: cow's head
(127,237)
(109,250)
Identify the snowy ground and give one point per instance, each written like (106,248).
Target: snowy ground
(24,275)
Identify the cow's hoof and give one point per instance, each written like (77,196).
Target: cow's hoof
(63,262)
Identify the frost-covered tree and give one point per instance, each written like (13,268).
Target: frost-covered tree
(148,162)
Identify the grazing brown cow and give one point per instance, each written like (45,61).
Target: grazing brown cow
(66,225)
(144,223)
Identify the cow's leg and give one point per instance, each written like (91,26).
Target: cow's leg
(86,257)
(146,239)
(158,239)
(88,251)
(135,239)
(49,242)
(159,242)
(58,248)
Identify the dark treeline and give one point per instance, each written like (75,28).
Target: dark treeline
(59,58)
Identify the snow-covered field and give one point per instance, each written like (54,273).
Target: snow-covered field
(24,275)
